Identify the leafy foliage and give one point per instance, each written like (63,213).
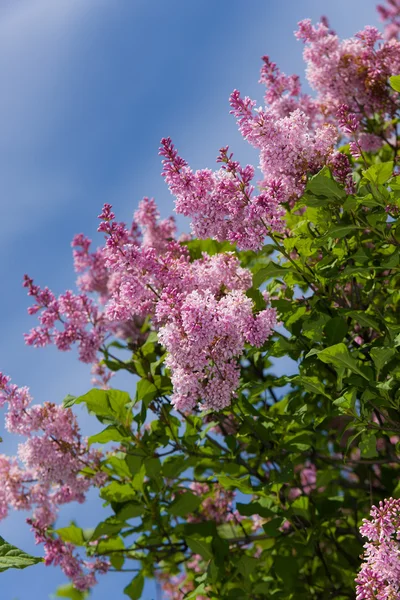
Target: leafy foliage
(14,558)
(264,497)
(300,451)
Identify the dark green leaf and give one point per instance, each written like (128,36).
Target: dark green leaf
(339,356)
(199,546)
(14,558)
(184,504)
(111,404)
(135,588)
(381,356)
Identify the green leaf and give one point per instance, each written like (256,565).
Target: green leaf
(339,356)
(257,298)
(253,508)
(118,492)
(110,544)
(69,401)
(146,390)
(310,384)
(346,402)
(381,356)
(110,526)
(69,591)
(109,434)
(272,528)
(72,534)
(300,507)
(14,558)
(336,232)
(379,173)
(322,185)
(335,330)
(130,510)
(111,404)
(364,319)
(247,565)
(185,504)
(198,592)
(243,484)
(287,569)
(135,588)
(200,546)
(368,446)
(301,441)
(394,81)
(268,272)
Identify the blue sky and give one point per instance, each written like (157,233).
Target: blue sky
(88,89)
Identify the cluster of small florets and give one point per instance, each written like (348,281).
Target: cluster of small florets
(290,148)
(352,72)
(390,15)
(222,204)
(204,342)
(217,504)
(47,474)
(283,92)
(200,309)
(79,318)
(308,478)
(66,320)
(342,171)
(379,576)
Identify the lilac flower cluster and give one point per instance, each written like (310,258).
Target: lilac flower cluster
(223,205)
(351,72)
(80,318)
(289,147)
(217,504)
(391,14)
(200,309)
(379,577)
(47,474)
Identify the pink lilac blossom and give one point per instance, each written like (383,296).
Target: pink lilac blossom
(47,474)
(80,319)
(223,205)
(369,142)
(216,506)
(156,233)
(101,375)
(66,320)
(308,478)
(379,576)
(204,341)
(390,12)
(58,553)
(289,148)
(352,72)
(283,92)
(200,309)
(342,171)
